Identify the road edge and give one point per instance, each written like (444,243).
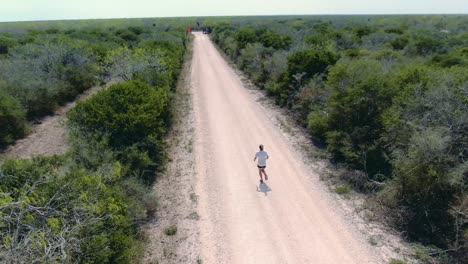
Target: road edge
(172,236)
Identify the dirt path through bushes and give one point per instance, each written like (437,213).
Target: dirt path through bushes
(48,135)
(290,219)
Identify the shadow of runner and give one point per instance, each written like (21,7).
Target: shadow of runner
(262,187)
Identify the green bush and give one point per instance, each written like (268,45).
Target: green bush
(6,44)
(128,112)
(362,31)
(302,67)
(169,56)
(13,120)
(427,45)
(62,215)
(317,39)
(399,43)
(310,62)
(268,38)
(46,74)
(386,55)
(397,261)
(343,189)
(274,40)
(428,156)
(448,60)
(127,35)
(356,53)
(422,173)
(362,92)
(318,124)
(137,30)
(395,30)
(131,116)
(81,77)
(170,230)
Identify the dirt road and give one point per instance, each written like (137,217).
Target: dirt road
(290,219)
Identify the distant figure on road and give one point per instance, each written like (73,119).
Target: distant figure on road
(262,156)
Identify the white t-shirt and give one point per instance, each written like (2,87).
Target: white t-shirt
(261,156)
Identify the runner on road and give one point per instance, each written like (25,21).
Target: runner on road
(261,164)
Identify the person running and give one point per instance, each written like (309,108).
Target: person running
(262,156)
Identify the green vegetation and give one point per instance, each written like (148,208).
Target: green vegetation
(43,65)
(51,216)
(12,118)
(170,230)
(385,95)
(397,261)
(129,118)
(343,189)
(264,36)
(85,206)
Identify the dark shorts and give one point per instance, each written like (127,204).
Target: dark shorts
(261,167)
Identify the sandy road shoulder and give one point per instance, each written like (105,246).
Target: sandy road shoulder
(175,188)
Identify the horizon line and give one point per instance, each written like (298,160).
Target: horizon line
(220,16)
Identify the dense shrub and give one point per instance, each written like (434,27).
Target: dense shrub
(399,43)
(422,174)
(450,59)
(6,44)
(317,40)
(251,60)
(42,76)
(396,30)
(310,62)
(136,30)
(12,120)
(169,57)
(429,158)
(362,31)
(50,215)
(127,35)
(86,206)
(317,123)
(266,37)
(362,92)
(302,66)
(44,69)
(427,46)
(131,116)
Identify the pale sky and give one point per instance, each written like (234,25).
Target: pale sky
(26,10)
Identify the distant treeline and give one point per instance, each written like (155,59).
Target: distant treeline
(86,206)
(386,95)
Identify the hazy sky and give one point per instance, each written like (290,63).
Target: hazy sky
(20,10)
